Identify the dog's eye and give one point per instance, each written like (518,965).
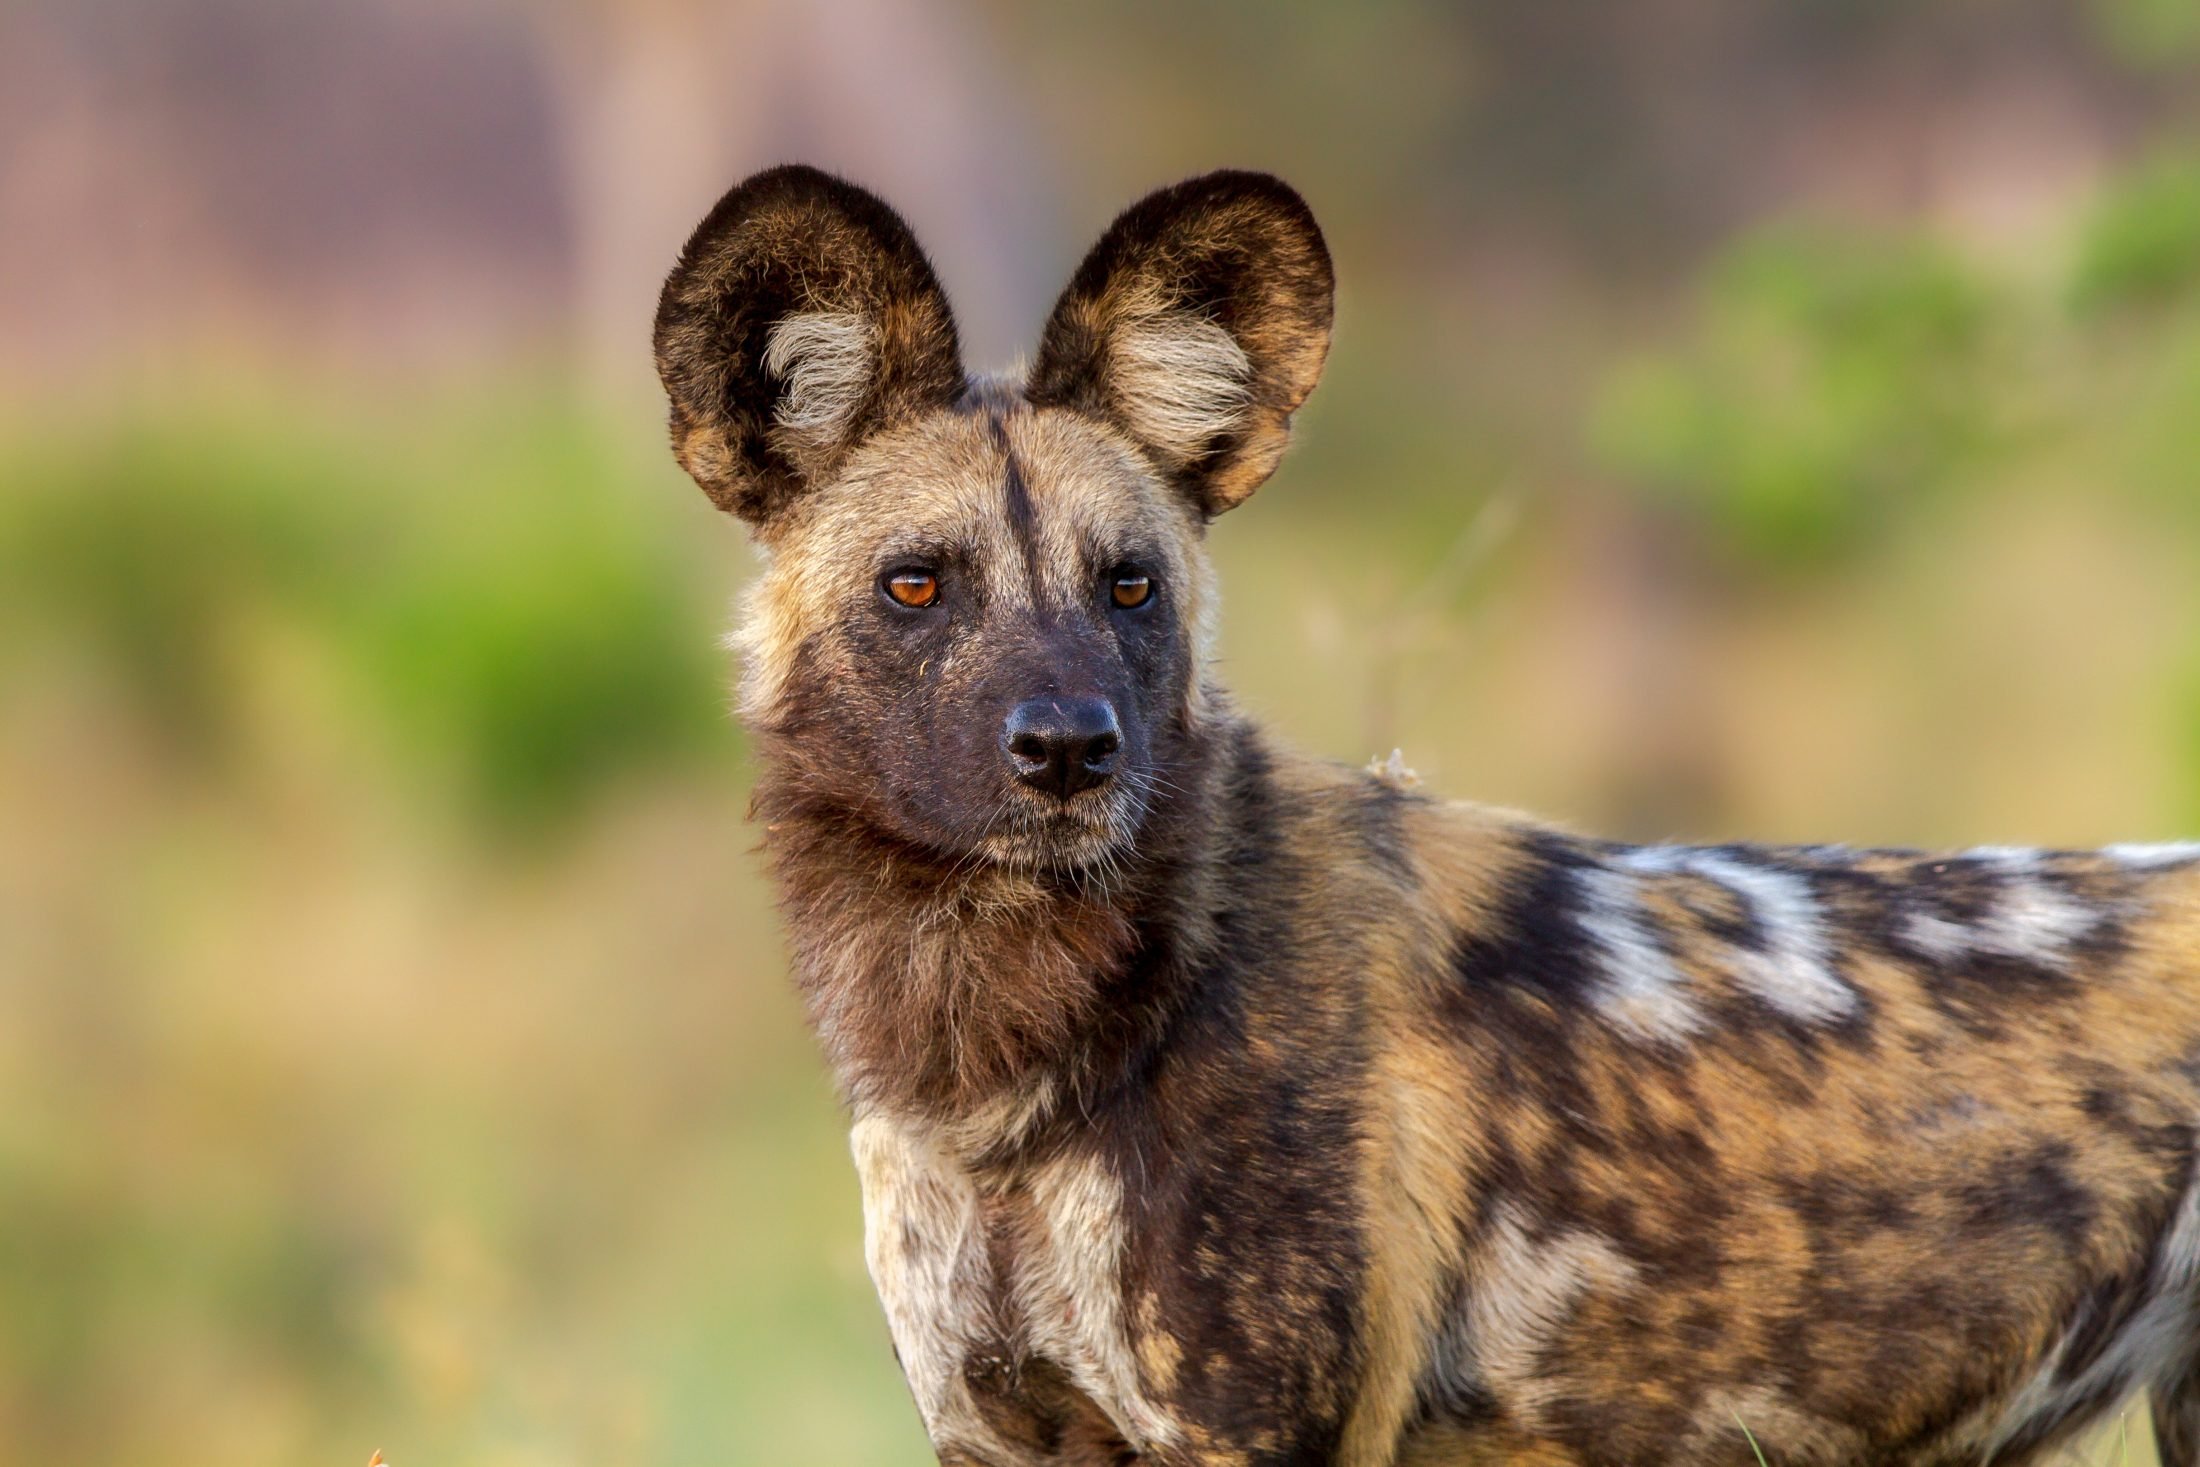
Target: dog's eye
(1131,589)
(913,587)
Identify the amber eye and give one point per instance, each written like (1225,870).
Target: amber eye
(913,588)
(1131,589)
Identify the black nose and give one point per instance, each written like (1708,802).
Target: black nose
(1063,745)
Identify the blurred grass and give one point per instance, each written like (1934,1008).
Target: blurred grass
(394,1043)
(1838,383)
(2143,243)
(476,573)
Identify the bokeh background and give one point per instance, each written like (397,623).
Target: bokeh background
(1779,420)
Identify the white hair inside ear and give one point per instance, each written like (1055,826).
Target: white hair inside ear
(1179,381)
(826,360)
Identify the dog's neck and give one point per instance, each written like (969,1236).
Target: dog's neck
(985,998)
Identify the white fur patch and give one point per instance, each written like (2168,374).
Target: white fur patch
(925,1239)
(1936,937)
(1179,380)
(827,360)
(1642,990)
(2031,919)
(1524,1291)
(1071,1293)
(2153,857)
(1794,972)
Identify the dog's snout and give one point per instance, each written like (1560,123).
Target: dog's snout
(1063,745)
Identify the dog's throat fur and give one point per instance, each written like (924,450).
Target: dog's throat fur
(949,988)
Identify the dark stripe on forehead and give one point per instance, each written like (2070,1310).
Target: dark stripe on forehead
(988,395)
(1022,519)
(1013,488)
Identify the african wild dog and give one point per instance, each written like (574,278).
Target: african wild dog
(1214,1105)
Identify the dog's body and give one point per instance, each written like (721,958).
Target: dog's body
(1218,1106)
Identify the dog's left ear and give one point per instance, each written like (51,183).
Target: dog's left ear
(1197,325)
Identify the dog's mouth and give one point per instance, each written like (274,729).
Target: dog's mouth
(1093,828)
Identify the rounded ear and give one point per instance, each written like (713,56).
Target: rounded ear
(1197,325)
(801,318)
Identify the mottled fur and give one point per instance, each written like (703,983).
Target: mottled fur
(1247,1110)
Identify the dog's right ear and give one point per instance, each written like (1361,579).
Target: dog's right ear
(801,318)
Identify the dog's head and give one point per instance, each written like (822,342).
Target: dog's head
(986,607)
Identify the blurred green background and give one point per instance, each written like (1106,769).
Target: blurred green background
(1744,419)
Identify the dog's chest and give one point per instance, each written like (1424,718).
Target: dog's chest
(1004,1298)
